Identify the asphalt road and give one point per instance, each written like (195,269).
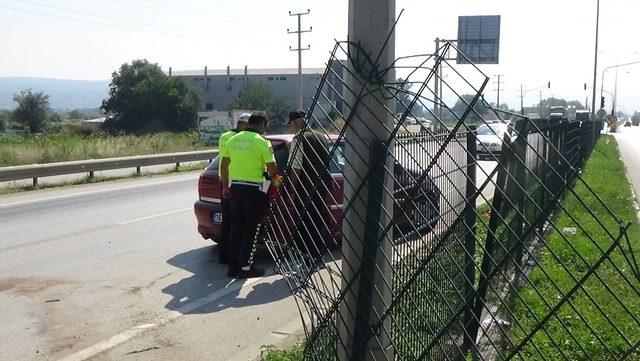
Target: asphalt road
(117,271)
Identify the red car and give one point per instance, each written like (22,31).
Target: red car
(209,213)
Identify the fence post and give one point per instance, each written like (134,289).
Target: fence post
(470,323)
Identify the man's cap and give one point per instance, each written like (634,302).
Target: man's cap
(244,117)
(296,114)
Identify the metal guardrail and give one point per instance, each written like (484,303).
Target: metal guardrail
(35,171)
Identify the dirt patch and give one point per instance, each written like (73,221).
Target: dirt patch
(27,286)
(136,289)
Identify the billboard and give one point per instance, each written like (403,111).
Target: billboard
(479,39)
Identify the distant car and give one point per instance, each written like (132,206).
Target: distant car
(421,213)
(582,115)
(627,123)
(556,117)
(490,138)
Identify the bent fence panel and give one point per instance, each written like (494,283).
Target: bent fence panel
(458,258)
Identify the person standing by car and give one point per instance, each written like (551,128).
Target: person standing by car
(246,159)
(225,202)
(311,182)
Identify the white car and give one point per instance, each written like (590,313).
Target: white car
(490,138)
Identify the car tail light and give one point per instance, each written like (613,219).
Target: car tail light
(209,188)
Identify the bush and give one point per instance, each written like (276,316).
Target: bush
(3,123)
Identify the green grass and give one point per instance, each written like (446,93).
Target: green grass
(605,173)
(17,189)
(66,147)
(272,353)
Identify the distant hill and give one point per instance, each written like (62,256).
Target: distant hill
(63,94)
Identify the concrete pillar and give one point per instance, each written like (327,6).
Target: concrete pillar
(370,22)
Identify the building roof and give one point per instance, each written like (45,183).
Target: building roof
(250,71)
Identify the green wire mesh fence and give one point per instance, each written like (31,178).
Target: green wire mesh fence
(454,257)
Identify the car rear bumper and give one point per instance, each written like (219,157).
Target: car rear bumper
(207,228)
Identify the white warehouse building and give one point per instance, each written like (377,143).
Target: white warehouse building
(217,88)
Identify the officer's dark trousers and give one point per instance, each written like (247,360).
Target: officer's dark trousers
(225,228)
(313,234)
(247,208)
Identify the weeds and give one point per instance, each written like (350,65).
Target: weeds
(65,147)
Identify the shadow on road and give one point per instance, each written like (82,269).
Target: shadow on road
(209,277)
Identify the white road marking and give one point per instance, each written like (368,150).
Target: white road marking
(154,216)
(126,335)
(90,192)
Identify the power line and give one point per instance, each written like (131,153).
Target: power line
(97,22)
(171,6)
(114,18)
(193,15)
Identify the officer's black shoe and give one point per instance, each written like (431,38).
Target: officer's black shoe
(233,271)
(251,273)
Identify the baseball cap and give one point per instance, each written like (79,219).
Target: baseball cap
(244,117)
(296,114)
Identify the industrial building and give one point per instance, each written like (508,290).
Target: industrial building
(217,88)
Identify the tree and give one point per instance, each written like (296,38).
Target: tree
(142,99)
(462,104)
(259,96)
(404,98)
(76,114)
(4,119)
(32,111)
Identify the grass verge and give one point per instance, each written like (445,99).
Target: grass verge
(272,353)
(67,147)
(600,320)
(101,179)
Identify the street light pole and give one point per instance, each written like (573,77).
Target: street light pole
(595,69)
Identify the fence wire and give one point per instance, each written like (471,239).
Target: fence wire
(453,257)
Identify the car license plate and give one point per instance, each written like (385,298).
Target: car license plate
(216,217)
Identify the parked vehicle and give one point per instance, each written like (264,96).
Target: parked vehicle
(490,138)
(421,211)
(635,120)
(559,110)
(582,115)
(627,123)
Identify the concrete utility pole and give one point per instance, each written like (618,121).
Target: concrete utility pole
(300,49)
(498,89)
(436,79)
(521,99)
(370,26)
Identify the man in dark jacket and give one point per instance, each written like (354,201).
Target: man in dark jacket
(311,182)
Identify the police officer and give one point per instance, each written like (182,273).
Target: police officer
(241,124)
(311,182)
(246,158)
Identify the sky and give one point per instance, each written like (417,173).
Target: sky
(541,41)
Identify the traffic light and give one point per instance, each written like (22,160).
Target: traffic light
(601,102)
